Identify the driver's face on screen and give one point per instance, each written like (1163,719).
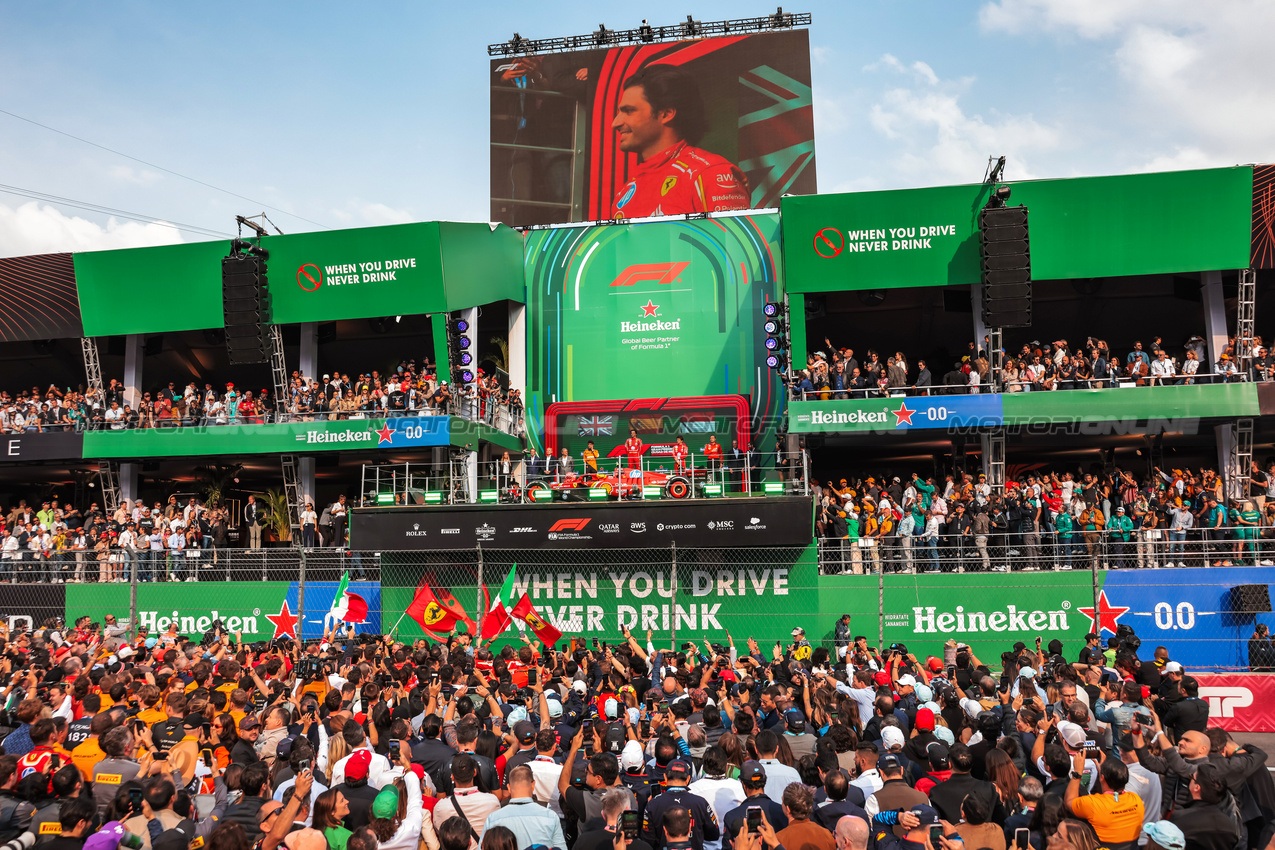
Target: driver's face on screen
(641,130)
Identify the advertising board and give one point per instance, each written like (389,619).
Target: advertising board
(567,129)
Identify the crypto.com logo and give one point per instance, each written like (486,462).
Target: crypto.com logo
(1223,701)
(570,524)
(650,273)
(309,277)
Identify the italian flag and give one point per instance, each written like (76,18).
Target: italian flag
(498,619)
(346,606)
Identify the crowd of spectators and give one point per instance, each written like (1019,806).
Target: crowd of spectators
(407,391)
(164,740)
(838,373)
(168,541)
(1045,520)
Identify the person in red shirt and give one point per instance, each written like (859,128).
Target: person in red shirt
(680,451)
(661,117)
(633,447)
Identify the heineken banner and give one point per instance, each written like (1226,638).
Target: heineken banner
(651,311)
(1140,409)
(894,414)
(277,438)
(693,595)
(258,610)
(1181,221)
(780,521)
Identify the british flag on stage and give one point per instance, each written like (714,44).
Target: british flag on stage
(597,426)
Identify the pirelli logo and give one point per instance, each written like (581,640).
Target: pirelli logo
(108,778)
(650,273)
(570,524)
(51,828)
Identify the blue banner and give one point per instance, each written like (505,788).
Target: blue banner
(899,413)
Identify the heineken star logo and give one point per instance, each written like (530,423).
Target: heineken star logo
(1106,617)
(902,415)
(649,309)
(385,434)
(285,622)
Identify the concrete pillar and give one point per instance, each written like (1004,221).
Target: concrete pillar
(305,480)
(518,347)
(309,364)
(133,345)
(1215,332)
(128,482)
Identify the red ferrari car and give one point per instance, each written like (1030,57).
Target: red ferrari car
(620,484)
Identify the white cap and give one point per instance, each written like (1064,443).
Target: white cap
(906,680)
(579,686)
(1073,734)
(1173,667)
(892,737)
(125,652)
(631,756)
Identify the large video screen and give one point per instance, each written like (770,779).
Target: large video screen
(652,129)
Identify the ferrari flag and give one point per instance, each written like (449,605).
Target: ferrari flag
(527,613)
(436,609)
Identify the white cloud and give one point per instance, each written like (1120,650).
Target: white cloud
(1196,76)
(32,228)
(934,140)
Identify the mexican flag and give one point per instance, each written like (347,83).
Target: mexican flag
(497,619)
(346,606)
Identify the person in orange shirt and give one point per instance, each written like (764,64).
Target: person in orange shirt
(89,753)
(151,713)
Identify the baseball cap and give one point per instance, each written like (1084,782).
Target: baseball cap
(907,681)
(579,687)
(945,735)
(525,731)
(936,752)
(798,631)
(889,761)
(611,708)
(124,653)
(934,664)
(356,767)
(1165,834)
(250,722)
(796,720)
(927,815)
(882,679)
(1173,667)
(753,770)
(924,693)
(386,803)
(892,737)
(1073,734)
(678,770)
(631,756)
(925,719)
(555,708)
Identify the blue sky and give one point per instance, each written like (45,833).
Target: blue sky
(359,115)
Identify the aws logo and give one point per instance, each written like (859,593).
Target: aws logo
(650,273)
(570,524)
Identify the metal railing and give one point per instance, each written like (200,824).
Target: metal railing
(503,417)
(520,481)
(1003,385)
(1047,550)
(116,565)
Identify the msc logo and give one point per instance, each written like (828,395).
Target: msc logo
(1224,701)
(650,273)
(570,524)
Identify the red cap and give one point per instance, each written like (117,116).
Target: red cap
(357,765)
(934,664)
(925,720)
(882,679)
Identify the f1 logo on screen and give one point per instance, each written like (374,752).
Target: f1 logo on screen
(651,273)
(570,524)
(1224,701)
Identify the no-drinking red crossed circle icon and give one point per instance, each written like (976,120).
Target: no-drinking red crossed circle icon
(829,242)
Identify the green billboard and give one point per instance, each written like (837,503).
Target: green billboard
(1171,222)
(651,311)
(1196,401)
(402,269)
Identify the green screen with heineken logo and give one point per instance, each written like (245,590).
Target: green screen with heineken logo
(651,311)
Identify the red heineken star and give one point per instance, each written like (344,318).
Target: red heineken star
(285,622)
(385,435)
(1107,616)
(902,415)
(649,309)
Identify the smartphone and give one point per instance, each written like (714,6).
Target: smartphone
(208,759)
(1022,838)
(531,676)
(56,761)
(303,766)
(650,704)
(393,748)
(951,672)
(629,825)
(754,819)
(135,801)
(1091,749)
(936,832)
(139,725)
